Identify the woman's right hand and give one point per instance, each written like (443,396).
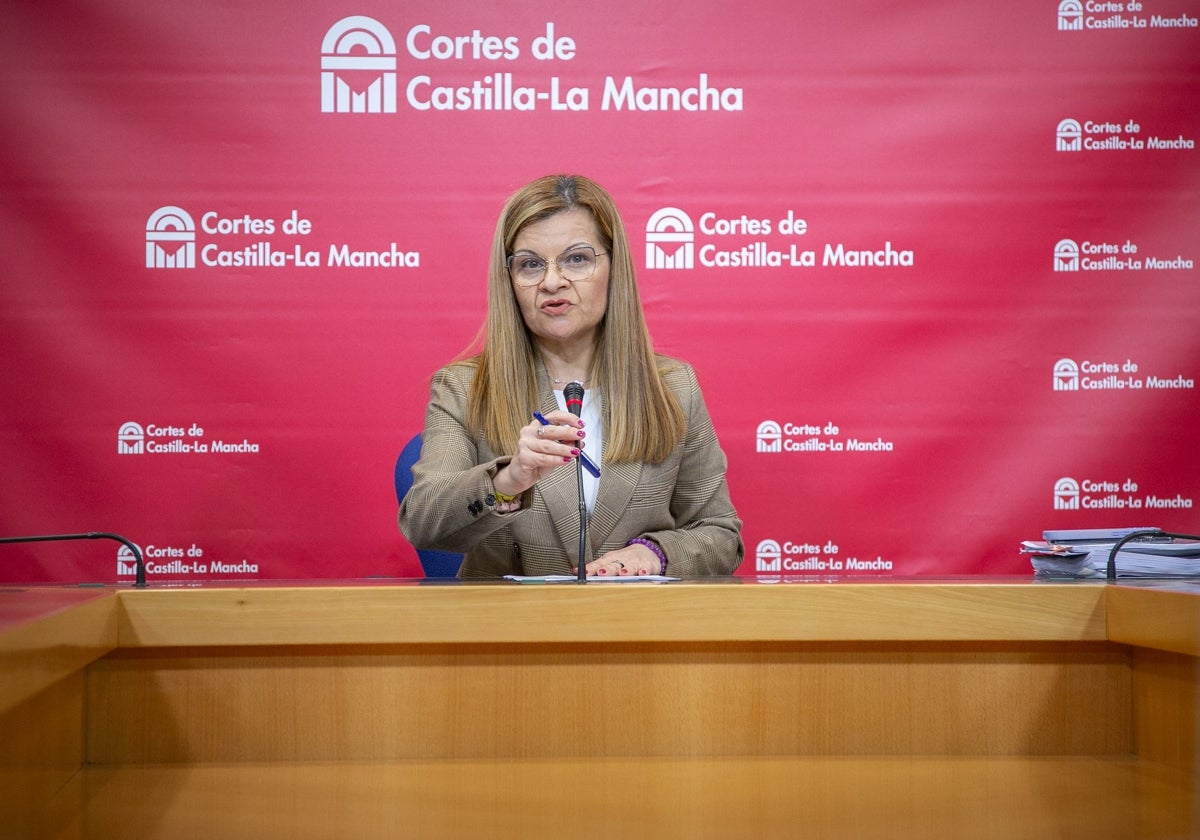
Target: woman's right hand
(541,449)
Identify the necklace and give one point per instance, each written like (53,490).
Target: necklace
(584,383)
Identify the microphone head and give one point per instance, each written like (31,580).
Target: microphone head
(573,395)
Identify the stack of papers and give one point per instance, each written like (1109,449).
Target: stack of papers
(1084,554)
(591,578)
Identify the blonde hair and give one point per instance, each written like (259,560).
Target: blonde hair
(642,419)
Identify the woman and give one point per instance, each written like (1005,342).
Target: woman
(498,484)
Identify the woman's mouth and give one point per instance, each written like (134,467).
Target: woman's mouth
(557,306)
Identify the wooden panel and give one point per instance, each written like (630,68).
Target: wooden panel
(41,749)
(555,700)
(1166,707)
(503,612)
(1162,615)
(1162,620)
(689,799)
(49,633)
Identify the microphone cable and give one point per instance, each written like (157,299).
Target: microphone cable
(140,576)
(1111,572)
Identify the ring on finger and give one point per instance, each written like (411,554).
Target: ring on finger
(539,431)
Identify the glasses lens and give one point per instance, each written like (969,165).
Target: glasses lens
(527,269)
(577,264)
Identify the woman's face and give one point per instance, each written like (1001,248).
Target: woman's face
(562,313)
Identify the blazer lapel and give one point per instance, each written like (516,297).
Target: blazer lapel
(617,482)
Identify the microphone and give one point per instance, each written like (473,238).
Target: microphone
(140,576)
(573,395)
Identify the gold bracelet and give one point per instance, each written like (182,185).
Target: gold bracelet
(502,498)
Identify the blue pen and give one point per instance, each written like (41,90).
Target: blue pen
(587,462)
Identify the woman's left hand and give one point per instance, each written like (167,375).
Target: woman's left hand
(630,560)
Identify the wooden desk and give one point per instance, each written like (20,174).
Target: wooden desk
(50,633)
(895,708)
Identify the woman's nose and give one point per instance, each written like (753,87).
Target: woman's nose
(554,278)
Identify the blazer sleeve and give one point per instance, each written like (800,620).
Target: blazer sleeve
(450,505)
(707,537)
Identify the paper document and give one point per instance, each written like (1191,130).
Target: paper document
(1150,558)
(591,578)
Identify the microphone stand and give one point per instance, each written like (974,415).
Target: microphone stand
(581,571)
(573,397)
(140,577)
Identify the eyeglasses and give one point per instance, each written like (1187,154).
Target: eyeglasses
(574,265)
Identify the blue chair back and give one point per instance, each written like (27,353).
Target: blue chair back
(435,564)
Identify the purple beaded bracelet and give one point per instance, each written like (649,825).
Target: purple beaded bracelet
(653,546)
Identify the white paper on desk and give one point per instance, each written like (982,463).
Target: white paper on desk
(590,579)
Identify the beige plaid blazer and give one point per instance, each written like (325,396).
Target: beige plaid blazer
(682,504)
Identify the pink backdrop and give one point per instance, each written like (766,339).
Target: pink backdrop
(935,263)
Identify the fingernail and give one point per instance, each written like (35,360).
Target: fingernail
(574,451)
(579,434)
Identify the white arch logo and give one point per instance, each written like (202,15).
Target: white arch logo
(1066,494)
(170,239)
(131,439)
(670,239)
(1070,16)
(768,557)
(126,561)
(1069,136)
(361,46)
(1066,375)
(1066,255)
(769,437)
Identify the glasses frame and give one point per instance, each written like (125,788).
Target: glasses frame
(557,262)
